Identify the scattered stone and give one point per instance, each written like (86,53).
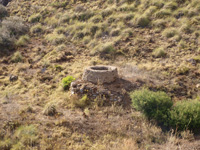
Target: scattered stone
(95,91)
(192,61)
(13,78)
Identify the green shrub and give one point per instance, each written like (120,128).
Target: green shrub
(154,105)
(67,81)
(3,11)
(185,115)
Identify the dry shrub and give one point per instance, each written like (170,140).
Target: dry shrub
(15,26)
(50,109)
(3,11)
(127,144)
(11,28)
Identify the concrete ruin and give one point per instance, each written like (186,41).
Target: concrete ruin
(100,74)
(100,82)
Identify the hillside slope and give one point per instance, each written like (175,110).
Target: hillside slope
(154,44)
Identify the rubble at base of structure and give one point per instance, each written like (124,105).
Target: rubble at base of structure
(94,91)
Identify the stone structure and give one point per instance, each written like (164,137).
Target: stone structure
(100,74)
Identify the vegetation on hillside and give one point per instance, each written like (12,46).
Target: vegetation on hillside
(10,29)
(154,44)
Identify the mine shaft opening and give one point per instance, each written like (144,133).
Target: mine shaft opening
(99,68)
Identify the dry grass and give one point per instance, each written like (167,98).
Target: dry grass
(96,32)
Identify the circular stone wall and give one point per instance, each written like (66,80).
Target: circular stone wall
(100,74)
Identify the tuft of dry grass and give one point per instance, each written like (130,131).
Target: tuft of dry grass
(50,109)
(55,38)
(159,52)
(23,40)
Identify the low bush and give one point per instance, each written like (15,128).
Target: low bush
(185,115)
(6,40)
(15,26)
(154,105)
(67,81)
(11,28)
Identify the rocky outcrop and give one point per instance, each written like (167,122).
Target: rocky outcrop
(5,2)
